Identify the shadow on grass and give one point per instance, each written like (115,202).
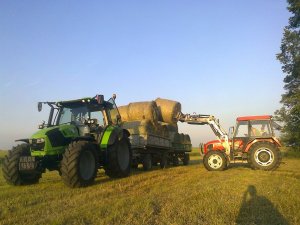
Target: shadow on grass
(258,210)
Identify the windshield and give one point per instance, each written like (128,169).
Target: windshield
(76,115)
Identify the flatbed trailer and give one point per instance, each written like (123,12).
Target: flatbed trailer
(150,149)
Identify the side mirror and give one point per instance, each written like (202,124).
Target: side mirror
(40,106)
(114,96)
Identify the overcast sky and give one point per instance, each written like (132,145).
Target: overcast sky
(215,57)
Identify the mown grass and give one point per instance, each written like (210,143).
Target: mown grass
(176,195)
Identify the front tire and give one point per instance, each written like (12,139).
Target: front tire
(215,161)
(79,164)
(10,168)
(264,156)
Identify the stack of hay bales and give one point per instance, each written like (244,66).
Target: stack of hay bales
(157,117)
(140,118)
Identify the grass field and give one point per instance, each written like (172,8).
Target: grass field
(176,195)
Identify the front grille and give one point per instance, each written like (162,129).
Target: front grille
(57,139)
(37,146)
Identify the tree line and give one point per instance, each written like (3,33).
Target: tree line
(289,57)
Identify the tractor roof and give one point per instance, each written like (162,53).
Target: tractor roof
(77,101)
(96,101)
(246,118)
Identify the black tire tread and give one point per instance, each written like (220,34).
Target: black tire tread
(272,146)
(206,156)
(10,167)
(69,164)
(112,168)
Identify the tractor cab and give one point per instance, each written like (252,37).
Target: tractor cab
(249,129)
(87,115)
(86,119)
(81,111)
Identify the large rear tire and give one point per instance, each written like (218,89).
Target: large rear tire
(264,156)
(79,164)
(119,157)
(215,161)
(10,168)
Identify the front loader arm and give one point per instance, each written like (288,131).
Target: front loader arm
(198,119)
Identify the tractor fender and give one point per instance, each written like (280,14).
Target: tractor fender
(271,140)
(111,135)
(83,138)
(26,140)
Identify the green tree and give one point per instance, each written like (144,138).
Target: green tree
(289,57)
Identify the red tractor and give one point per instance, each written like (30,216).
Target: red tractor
(253,139)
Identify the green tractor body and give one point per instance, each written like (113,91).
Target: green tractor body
(81,136)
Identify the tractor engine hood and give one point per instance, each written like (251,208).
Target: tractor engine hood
(48,139)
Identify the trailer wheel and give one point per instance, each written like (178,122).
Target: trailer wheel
(79,164)
(215,161)
(11,171)
(264,156)
(147,162)
(119,157)
(186,159)
(163,161)
(175,160)
(134,165)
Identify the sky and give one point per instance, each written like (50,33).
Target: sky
(215,57)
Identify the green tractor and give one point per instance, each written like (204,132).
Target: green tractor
(81,136)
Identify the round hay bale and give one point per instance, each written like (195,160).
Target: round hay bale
(182,138)
(123,110)
(143,111)
(162,130)
(176,138)
(172,135)
(168,110)
(146,127)
(172,127)
(165,131)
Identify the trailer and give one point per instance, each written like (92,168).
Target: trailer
(151,150)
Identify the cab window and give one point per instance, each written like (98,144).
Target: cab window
(99,116)
(260,128)
(242,129)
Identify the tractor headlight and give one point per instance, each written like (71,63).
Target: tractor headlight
(40,140)
(37,144)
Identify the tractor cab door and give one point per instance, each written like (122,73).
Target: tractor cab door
(241,136)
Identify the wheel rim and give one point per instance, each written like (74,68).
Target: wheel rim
(264,157)
(87,165)
(215,161)
(123,156)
